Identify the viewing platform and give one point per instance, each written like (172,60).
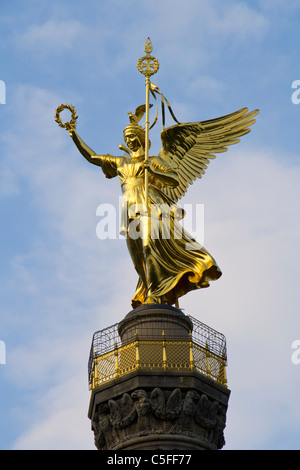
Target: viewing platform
(160,347)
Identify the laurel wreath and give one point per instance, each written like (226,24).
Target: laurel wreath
(69,124)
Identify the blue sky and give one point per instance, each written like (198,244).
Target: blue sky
(60,283)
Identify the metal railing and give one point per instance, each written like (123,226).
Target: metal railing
(204,351)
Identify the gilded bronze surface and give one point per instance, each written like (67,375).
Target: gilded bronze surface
(169,262)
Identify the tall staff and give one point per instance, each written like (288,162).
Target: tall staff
(147,65)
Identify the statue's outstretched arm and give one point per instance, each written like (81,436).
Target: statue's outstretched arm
(85,150)
(108,163)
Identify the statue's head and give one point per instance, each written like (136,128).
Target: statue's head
(134,137)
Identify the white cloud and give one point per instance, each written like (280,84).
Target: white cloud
(63,422)
(8,183)
(212,17)
(59,35)
(239,21)
(212,89)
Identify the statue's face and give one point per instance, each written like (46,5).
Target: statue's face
(132,142)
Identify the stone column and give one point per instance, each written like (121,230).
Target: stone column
(158,408)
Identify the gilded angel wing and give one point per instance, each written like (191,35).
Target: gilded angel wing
(191,146)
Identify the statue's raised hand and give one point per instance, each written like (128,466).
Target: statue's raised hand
(70,126)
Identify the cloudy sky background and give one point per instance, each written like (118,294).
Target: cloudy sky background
(60,283)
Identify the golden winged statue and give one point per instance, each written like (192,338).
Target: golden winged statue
(168,261)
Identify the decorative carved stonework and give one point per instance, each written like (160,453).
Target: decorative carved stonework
(176,415)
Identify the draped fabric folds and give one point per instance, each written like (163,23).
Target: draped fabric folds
(167,259)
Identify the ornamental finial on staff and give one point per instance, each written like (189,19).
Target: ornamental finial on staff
(148,48)
(148,65)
